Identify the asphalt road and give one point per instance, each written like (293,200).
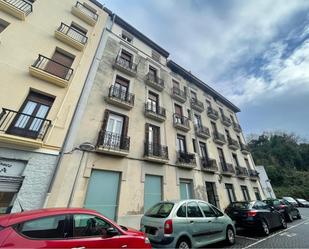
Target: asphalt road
(295,236)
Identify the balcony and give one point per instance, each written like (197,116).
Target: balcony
(155,82)
(202,131)
(155,112)
(155,153)
(71,36)
(17,8)
(236,127)
(244,149)
(254,175)
(120,98)
(242,172)
(23,130)
(51,71)
(186,160)
(233,144)
(227,169)
(179,95)
(226,120)
(84,13)
(212,113)
(209,165)
(181,122)
(113,144)
(197,105)
(125,66)
(219,138)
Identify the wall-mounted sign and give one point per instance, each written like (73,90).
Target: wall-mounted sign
(11,167)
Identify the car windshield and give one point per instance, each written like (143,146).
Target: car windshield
(160,210)
(301,200)
(290,199)
(242,205)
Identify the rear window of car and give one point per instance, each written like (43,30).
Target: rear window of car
(290,199)
(160,210)
(242,205)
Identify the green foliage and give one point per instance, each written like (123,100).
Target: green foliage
(286,162)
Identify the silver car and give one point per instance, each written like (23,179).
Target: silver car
(186,224)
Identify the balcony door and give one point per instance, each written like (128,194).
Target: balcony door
(126,58)
(153,139)
(214,127)
(203,150)
(30,118)
(230,192)
(153,102)
(197,120)
(235,160)
(121,88)
(181,144)
(211,193)
(60,64)
(178,116)
(113,131)
(153,73)
(222,158)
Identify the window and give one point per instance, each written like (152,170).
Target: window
(214,127)
(230,192)
(126,57)
(30,120)
(207,210)
(227,134)
(178,116)
(153,135)
(221,157)
(181,143)
(194,210)
(182,211)
(161,210)
(211,193)
(153,101)
(257,193)
(208,103)
(217,211)
(194,145)
(197,120)
(79,28)
(232,118)
(152,191)
(185,189)
(189,113)
(235,160)
(239,140)
(176,84)
(245,193)
(121,88)
(3,25)
(153,73)
(203,150)
(221,111)
(155,55)
(247,163)
(126,36)
(89,225)
(44,228)
(193,95)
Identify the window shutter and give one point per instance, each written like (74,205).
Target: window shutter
(147,133)
(105,119)
(125,126)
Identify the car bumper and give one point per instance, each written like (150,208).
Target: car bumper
(166,242)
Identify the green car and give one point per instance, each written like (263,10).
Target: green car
(186,224)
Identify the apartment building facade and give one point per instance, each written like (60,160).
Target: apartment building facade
(155,132)
(46,50)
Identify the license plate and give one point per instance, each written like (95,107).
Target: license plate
(235,212)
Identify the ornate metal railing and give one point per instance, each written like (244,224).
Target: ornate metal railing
(113,141)
(121,95)
(156,150)
(185,158)
(149,107)
(53,67)
(196,104)
(181,120)
(177,91)
(219,136)
(226,120)
(253,173)
(202,130)
(155,79)
(212,113)
(128,65)
(86,10)
(22,5)
(227,167)
(210,164)
(242,171)
(73,33)
(22,124)
(232,142)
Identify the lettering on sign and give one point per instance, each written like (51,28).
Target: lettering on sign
(11,167)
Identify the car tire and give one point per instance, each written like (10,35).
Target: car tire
(283,223)
(230,236)
(289,217)
(183,243)
(298,215)
(265,228)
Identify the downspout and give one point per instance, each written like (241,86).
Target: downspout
(80,107)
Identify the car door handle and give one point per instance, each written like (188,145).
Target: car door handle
(124,246)
(81,247)
(208,221)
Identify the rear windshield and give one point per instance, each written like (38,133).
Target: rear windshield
(290,199)
(160,210)
(242,205)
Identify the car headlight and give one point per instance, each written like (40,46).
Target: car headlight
(147,241)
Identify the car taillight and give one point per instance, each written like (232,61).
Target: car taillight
(168,227)
(282,206)
(251,213)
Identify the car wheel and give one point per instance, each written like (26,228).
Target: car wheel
(265,228)
(289,217)
(298,215)
(183,244)
(230,236)
(283,223)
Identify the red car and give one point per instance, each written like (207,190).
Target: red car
(66,228)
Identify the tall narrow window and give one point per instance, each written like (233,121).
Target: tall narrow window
(181,144)
(257,193)
(230,192)
(245,193)
(193,95)
(197,120)
(153,101)
(235,159)
(60,64)
(214,127)
(232,118)
(121,88)
(30,120)
(227,134)
(126,58)
(239,140)
(194,145)
(208,103)
(185,189)
(211,193)
(222,158)
(153,73)
(221,111)
(176,84)
(203,150)
(247,163)
(178,116)
(3,25)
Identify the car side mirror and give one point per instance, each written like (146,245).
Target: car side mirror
(111,232)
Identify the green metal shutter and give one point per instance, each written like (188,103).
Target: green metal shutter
(153,191)
(102,193)
(185,190)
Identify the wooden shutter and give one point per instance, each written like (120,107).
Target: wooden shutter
(178,110)
(105,119)
(60,65)
(125,126)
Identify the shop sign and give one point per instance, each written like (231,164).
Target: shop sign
(11,167)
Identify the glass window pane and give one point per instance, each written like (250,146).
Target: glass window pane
(208,212)
(194,210)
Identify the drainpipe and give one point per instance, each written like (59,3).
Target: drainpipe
(81,104)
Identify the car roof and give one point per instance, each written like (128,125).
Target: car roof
(15,218)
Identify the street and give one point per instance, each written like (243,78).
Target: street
(295,236)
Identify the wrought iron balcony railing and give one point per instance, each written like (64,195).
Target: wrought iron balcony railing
(226,120)
(121,95)
(73,33)
(209,164)
(219,137)
(86,10)
(155,79)
(21,5)
(244,148)
(236,127)
(23,125)
(227,168)
(177,92)
(212,113)
(185,158)
(202,131)
(127,65)
(113,141)
(253,173)
(156,150)
(197,105)
(53,67)
(181,120)
(241,171)
(233,144)
(155,109)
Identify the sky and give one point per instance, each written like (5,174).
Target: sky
(255,53)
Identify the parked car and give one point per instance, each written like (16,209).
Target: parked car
(255,215)
(289,211)
(302,202)
(291,200)
(186,224)
(66,228)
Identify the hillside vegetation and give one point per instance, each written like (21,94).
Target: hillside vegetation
(286,161)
